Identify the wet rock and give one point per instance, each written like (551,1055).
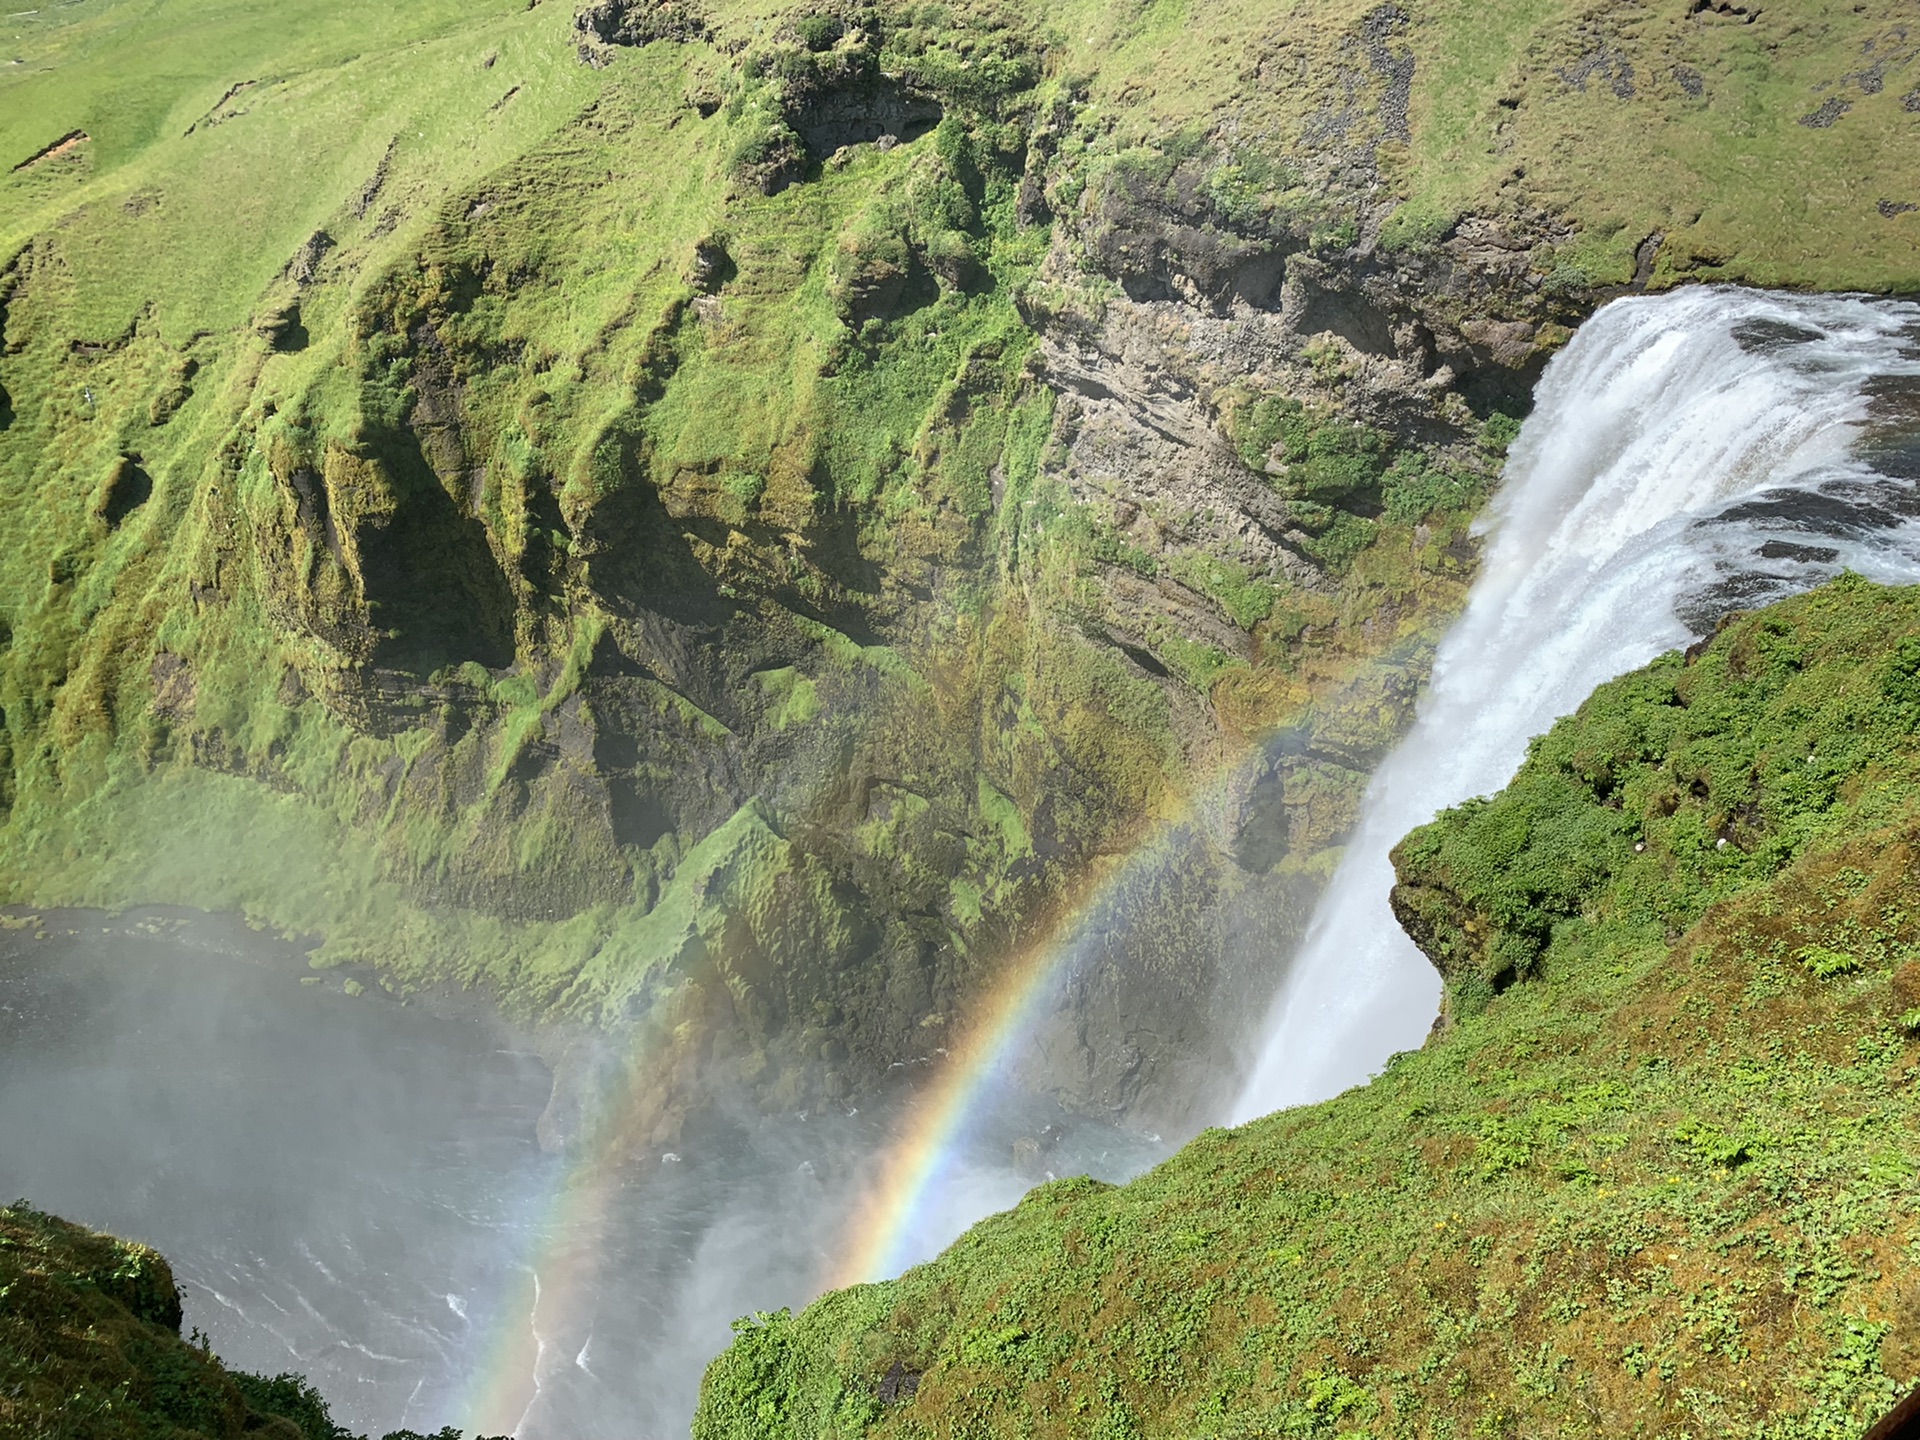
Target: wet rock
(1508,343)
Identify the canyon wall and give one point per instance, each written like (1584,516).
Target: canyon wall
(734,529)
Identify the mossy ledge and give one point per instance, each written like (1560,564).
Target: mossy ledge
(1657,1176)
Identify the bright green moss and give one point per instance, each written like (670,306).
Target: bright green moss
(1247,599)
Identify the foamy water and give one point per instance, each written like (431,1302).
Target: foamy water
(1688,454)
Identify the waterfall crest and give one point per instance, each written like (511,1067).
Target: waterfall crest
(1688,454)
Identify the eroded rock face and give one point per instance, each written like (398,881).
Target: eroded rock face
(980,556)
(866,792)
(1204,314)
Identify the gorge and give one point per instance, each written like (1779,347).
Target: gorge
(1689,455)
(652,656)
(425,1261)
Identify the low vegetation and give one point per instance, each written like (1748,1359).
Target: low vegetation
(90,1349)
(421,431)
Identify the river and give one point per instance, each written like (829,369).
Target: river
(351,1188)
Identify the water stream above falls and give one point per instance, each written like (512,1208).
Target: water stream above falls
(1688,454)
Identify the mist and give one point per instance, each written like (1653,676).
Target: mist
(1689,454)
(352,1188)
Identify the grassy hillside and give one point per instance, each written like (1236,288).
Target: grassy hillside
(723,517)
(1690,121)
(90,1349)
(1657,1177)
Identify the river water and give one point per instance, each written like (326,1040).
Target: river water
(351,1188)
(1688,454)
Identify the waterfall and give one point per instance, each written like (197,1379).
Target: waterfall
(1688,454)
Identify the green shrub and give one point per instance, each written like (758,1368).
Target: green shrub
(1823,962)
(1413,488)
(291,1398)
(819,32)
(1270,421)
(1497,432)
(1341,542)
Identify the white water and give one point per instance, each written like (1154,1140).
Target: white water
(148,1090)
(1688,454)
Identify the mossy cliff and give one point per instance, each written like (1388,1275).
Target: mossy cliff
(1657,1175)
(90,1349)
(727,519)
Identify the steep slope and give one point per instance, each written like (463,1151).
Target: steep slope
(723,522)
(90,1346)
(1656,1176)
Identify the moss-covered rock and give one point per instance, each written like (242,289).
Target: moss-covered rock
(90,1346)
(1685,782)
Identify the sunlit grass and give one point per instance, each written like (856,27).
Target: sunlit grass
(1664,1184)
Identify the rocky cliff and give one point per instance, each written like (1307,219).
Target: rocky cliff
(726,524)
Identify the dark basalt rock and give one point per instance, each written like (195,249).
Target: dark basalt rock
(641,22)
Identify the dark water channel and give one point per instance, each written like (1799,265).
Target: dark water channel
(351,1188)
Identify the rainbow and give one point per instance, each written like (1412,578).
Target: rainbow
(889,1225)
(576,1203)
(574,1206)
(882,1237)
(886,1225)
(561,1271)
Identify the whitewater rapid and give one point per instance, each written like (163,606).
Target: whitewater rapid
(1688,454)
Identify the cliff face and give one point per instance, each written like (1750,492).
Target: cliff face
(729,524)
(1654,1177)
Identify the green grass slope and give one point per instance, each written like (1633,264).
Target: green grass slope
(1657,1177)
(564,504)
(90,1349)
(1759,141)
